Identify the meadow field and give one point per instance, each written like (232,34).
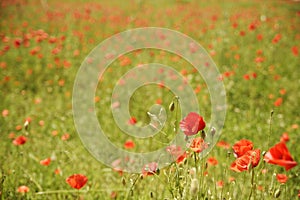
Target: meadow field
(254,152)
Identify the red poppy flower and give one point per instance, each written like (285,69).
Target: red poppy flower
(278,102)
(241,147)
(212,161)
(132,121)
(180,159)
(23,189)
(198,145)
(5,113)
(150,169)
(45,162)
(178,154)
(223,144)
(77,181)
(192,124)
(284,137)
(282,178)
(129,144)
(295,50)
(249,160)
(276,38)
(280,155)
(20,140)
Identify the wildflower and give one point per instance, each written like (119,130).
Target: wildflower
(276,38)
(278,102)
(178,154)
(77,181)
(223,144)
(295,50)
(132,121)
(20,140)
(45,162)
(280,155)
(192,124)
(249,160)
(198,145)
(65,136)
(150,169)
(284,137)
(212,161)
(220,184)
(281,178)
(241,147)
(5,113)
(246,77)
(23,189)
(129,144)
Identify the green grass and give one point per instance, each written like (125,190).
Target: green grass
(26,79)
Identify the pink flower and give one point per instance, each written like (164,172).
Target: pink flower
(192,124)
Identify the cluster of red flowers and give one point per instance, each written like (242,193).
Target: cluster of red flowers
(247,158)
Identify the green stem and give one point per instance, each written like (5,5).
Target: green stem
(252,183)
(133,184)
(270,128)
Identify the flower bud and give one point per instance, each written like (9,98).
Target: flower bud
(277,193)
(172,106)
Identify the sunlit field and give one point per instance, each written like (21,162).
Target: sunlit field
(254,44)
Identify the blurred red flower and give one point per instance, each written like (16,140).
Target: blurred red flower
(282,178)
(223,144)
(45,162)
(20,140)
(17,42)
(249,160)
(192,124)
(198,145)
(212,161)
(276,38)
(280,155)
(246,77)
(278,102)
(178,154)
(23,189)
(129,144)
(241,147)
(65,136)
(132,121)
(295,50)
(5,113)
(77,181)
(150,169)
(284,137)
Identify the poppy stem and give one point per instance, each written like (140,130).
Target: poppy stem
(252,183)
(195,159)
(132,185)
(270,128)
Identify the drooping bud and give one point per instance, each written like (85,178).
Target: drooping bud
(172,106)
(277,193)
(203,135)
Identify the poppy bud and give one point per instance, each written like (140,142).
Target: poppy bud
(212,131)
(26,125)
(123,181)
(277,193)
(151,194)
(172,106)
(203,135)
